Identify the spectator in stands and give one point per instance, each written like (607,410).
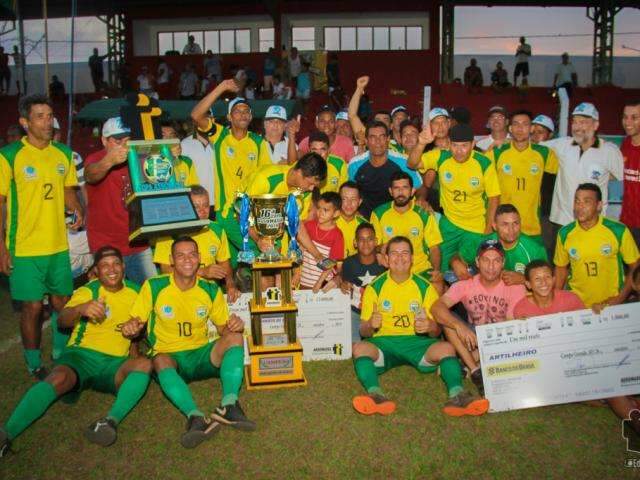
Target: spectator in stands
(20,63)
(566,76)
(124,77)
(213,68)
(196,146)
(5,72)
(275,120)
(56,89)
(269,70)
(498,125)
(398,115)
(280,90)
(97,72)
(15,133)
(336,93)
(189,83)
(473,77)
(108,185)
(146,82)
(630,215)
(295,66)
(163,73)
(191,48)
(523,52)
(542,129)
(500,78)
(303,85)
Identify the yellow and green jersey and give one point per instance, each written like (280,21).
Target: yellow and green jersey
(185,171)
(336,174)
(418,225)
(396,147)
(595,258)
(348,229)
(212,245)
(464,187)
(397,302)
(106,336)
(33,181)
(520,178)
(177,319)
(234,162)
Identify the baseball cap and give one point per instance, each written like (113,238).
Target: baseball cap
(56,124)
(438,112)
(114,127)
(490,244)
(342,115)
(586,109)
(545,121)
(498,109)
(398,109)
(276,112)
(237,101)
(461,133)
(106,251)
(326,108)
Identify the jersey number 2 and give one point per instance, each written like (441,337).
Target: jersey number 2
(48,189)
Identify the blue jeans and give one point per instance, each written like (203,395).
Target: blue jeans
(139,266)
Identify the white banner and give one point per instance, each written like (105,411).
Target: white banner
(323,324)
(561,358)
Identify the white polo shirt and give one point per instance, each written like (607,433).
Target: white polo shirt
(278,152)
(485,142)
(596,165)
(202,156)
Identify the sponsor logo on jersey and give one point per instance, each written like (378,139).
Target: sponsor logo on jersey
(506,168)
(386,305)
(30,172)
(388,230)
(167,311)
(230,152)
(573,253)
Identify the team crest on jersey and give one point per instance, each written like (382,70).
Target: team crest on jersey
(506,168)
(573,253)
(213,250)
(183,177)
(252,157)
(334,180)
(474,181)
(414,306)
(30,172)
(230,152)
(414,232)
(167,311)
(386,305)
(519,267)
(605,249)
(534,169)
(201,311)
(388,230)
(60,169)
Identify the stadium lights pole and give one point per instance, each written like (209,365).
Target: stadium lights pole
(74,7)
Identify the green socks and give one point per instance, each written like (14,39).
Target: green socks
(33,357)
(367,374)
(32,405)
(175,388)
(231,373)
(59,337)
(452,375)
(129,394)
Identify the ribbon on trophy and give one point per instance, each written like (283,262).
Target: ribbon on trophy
(293,222)
(246,255)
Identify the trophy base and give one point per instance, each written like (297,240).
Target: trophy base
(270,256)
(274,366)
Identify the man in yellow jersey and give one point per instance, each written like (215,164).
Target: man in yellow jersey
(336,166)
(212,244)
(593,249)
(468,184)
(175,309)
(37,183)
(96,357)
(237,154)
(401,217)
(183,167)
(349,218)
(398,330)
(520,165)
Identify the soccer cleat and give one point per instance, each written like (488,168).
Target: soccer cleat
(40,373)
(199,429)
(466,404)
(476,378)
(5,444)
(233,416)
(102,432)
(373,403)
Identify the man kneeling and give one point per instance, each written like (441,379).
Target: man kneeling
(177,307)
(399,331)
(96,356)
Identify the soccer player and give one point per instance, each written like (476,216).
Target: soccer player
(175,309)
(520,165)
(401,217)
(96,357)
(398,330)
(468,184)
(238,153)
(183,166)
(519,248)
(593,249)
(336,166)
(37,183)
(212,244)
(349,218)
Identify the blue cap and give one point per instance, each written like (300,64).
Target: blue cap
(277,112)
(545,121)
(342,115)
(438,112)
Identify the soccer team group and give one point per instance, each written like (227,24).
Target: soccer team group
(429,231)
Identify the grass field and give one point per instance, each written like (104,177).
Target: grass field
(311,432)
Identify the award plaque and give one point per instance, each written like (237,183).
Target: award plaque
(158,204)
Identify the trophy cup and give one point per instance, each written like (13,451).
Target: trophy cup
(158,203)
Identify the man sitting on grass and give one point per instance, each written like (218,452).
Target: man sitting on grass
(398,330)
(96,357)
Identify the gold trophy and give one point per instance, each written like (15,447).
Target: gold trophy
(275,353)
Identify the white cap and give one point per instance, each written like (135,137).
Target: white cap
(237,101)
(545,121)
(114,127)
(277,112)
(398,109)
(56,124)
(438,112)
(342,115)
(586,109)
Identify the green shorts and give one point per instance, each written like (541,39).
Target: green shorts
(95,370)
(196,364)
(453,238)
(32,277)
(403,350)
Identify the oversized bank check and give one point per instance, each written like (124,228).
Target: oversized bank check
(323,324)
(561,358)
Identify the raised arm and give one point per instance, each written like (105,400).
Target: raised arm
(414,161)
(354,104)
(200,113)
